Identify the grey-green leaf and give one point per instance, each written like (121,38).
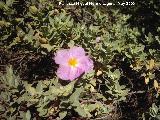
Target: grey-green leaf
(28,115)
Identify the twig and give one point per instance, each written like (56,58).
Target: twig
(137,92)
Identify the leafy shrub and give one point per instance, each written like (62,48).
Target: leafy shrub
(45,27)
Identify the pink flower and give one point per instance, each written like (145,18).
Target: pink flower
(72,63)
(98,39)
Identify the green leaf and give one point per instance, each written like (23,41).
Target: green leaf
(39,87)
(81,111)
(62,114)
(30,89)
(33,9)
(28,115)
(74,98)
(29,37)
(129,56)
(71,44)
(92,107)
(114,75)
(117,73)
(48,47)
(9,2)
(68,88)
(2,5)
(9,78)
(42,111)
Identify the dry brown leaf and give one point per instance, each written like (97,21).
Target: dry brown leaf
(151,64)
(155,84)
(43,40)
(99,73)
(146,80)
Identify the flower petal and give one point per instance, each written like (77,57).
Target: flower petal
(68,73)
(77,52)
(62,57)
(86,64)
(75,73)
(63,72)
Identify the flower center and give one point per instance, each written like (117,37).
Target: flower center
(72,62)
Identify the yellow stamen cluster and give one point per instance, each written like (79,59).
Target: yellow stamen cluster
(72,62)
